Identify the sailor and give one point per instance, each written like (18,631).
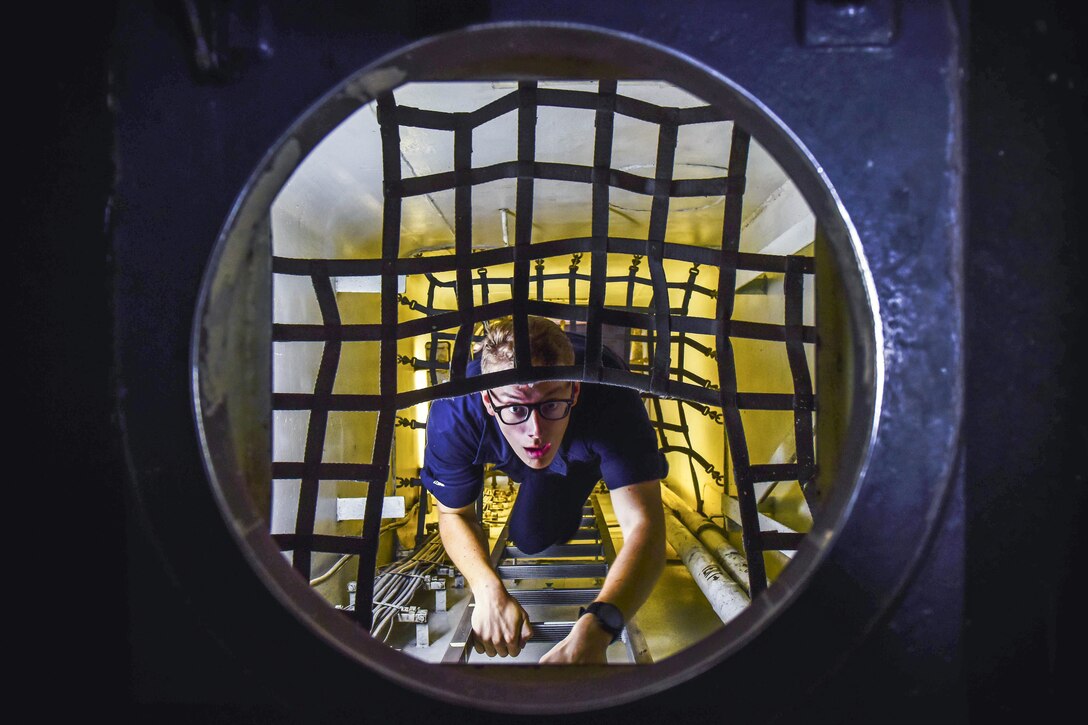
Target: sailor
(557,439)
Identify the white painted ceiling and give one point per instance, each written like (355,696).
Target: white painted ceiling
(331,207)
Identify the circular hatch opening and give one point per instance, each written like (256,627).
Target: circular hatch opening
(522,169)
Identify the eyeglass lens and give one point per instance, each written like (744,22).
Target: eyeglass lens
(549,409)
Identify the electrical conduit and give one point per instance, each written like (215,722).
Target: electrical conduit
(726,597)
(711,536)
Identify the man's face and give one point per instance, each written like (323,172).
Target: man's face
(535,440)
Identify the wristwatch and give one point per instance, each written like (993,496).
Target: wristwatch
(608,616)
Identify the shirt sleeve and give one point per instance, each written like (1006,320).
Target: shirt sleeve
(453,439)
(626,442)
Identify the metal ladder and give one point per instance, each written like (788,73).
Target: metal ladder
(587,556)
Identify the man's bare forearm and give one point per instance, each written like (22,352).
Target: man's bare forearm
(499,623)
(635,571)
(641,559)
(467,547)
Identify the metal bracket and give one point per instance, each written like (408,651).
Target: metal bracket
(848,23)
(227,37)
(423,635)
(417,615)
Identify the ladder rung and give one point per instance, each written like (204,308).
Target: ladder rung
(550,631)
(560,550)
(549,571)
(581,536)
(554,596)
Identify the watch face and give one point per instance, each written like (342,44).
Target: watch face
(608,614)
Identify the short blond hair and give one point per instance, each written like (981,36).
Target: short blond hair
(548,344)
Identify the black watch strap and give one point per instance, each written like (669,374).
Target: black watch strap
(608,616)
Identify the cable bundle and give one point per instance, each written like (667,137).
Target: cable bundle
(397,583)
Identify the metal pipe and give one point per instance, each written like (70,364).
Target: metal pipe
(711,536)
(726,597)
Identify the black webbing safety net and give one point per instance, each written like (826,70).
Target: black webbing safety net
(649,312)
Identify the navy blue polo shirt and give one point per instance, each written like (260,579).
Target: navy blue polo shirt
(609,437)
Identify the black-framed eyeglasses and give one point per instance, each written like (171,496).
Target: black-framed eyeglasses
(519,412)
